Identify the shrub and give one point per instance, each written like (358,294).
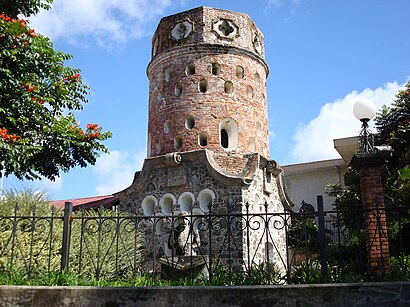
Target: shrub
(30,232)
(103,243)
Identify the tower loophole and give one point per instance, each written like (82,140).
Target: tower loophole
(203,86)
(224,138)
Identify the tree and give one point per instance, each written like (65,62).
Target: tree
(39,135)
(24,7)
(393,126)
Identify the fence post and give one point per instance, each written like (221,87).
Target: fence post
(65,248)
(322,236)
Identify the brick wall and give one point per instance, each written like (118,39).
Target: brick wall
(369,167)
(375,218)
(204,82)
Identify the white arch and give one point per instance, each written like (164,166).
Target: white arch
(166,202)
(206,198)
(186,202)
(148,205)
(231,128)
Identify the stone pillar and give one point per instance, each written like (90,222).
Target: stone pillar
(369,167)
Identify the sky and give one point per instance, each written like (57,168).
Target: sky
(323,56)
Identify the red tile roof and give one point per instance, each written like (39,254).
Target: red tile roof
(106,201)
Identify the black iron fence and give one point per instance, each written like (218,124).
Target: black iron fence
(275,247)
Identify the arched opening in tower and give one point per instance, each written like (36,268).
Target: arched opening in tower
(224,138)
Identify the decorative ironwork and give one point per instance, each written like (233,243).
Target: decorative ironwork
(365,139)
(125,244)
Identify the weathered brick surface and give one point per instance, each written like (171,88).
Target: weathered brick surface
(175,92)
(372,197)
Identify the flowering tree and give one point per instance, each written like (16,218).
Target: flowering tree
(39,135)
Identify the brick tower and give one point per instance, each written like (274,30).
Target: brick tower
(208,148)
(207,85)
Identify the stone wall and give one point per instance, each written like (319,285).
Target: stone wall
(358,294)
(266,244)
(198,185)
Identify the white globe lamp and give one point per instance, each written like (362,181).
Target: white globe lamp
(364,110)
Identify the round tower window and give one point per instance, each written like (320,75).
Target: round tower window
(216,69)
(228,133)
(190,122)
(167,126)
(240,72)
(228,87)
(178,142)
(251,144)
(178,90)
(203,138)
(203,86)
(168,74)
(190,69)
(257,78)
(249,91)
(258,129)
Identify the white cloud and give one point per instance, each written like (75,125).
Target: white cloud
(115,171)
(50,187)
(107,21)
(336,120)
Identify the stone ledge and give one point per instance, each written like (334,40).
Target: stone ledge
(354,294)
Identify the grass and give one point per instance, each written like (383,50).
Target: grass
(259,275)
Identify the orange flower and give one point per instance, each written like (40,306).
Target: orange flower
(31,33)
(92,127)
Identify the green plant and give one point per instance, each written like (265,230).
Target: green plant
(104,244)
(399,267)
(259,274)
(307,272)
(393,126)
(303,233)
(31,232)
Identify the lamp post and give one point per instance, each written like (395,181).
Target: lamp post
(369,162)
(364,110)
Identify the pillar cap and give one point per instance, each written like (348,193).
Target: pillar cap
(378,158)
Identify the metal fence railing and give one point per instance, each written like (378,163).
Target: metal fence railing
(112,244)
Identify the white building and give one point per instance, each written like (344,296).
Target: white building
(304,181)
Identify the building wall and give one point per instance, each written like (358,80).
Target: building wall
(305,181)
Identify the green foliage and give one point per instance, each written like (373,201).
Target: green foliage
(393,126)
(104,244)
(303,233)
(109,243)
(310,273)
(259,274)
(25,223)
(400,267)
(39,135)
(24,7)
(348,205)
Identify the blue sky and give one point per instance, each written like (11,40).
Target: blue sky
(323,56)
